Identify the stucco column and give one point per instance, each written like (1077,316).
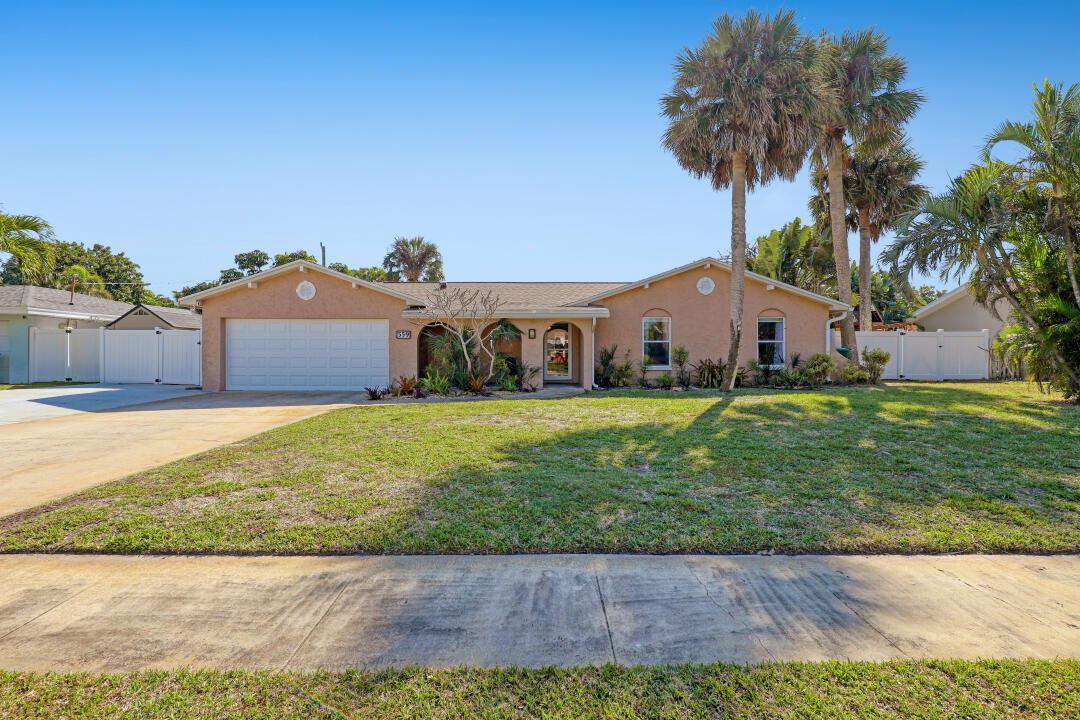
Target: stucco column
(586,352)
(532,349)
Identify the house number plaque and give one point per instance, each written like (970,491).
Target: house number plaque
(404,335)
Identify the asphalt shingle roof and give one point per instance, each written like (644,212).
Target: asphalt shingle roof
(517,295)
(41,298)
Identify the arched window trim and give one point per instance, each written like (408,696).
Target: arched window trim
(666,319)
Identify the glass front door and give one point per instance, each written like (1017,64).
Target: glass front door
(557,352)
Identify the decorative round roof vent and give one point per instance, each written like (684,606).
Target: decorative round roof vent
(705,285)
(305,290)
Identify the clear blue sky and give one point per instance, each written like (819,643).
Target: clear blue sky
(524,141)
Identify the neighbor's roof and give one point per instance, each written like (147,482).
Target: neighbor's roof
(516,295)
(179,318)
(49,301)
(946,299)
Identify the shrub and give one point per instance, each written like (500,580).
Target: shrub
(852,374)
(760,374)
(477,384)
(436,383)
(406,384)
(680,356)
(508,383)
(818,369)
(644,370)
(790,378)
(374,393)
(665,381)
(874,362)
(710,374)
(526,377)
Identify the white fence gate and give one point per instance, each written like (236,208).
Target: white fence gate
(170,357)
(937,355)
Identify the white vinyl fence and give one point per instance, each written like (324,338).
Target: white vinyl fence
(169,357)
(937,355)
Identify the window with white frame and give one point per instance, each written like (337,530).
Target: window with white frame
(656,341)
(770,342)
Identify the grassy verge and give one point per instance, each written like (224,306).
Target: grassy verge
(56,383)
(905,468)
(902,689)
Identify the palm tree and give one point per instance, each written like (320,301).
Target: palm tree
(413,259)
(879,188)
(1052,144)
(796,254)
(863,99)
(739,114)
(29,240)
(87,281)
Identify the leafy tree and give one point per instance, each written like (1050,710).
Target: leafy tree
(197,287)
(252,261)
(285,258)
(879,188)
(28,239)
(863,100)
(739,113)
(122,277)
(371,274)
(1052,159)
(796,254)
(412,260)
(990,224)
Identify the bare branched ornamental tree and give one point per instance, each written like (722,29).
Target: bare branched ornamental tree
(469,317)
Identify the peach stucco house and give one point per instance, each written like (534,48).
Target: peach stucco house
(304,326)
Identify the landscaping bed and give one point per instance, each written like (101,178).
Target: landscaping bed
(1013,689)
(973,467)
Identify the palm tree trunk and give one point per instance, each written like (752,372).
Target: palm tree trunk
(837,211)
(738,265)
(866,318)
(1066,236)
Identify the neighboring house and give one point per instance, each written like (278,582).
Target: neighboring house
(149,317)
(958,310)
(303,326)
(25,306)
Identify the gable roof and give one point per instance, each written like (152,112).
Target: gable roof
(708,262)
(195,298)
(34,300)
(177,318)
(946,299)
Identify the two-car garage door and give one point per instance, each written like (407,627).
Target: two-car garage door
(306,354)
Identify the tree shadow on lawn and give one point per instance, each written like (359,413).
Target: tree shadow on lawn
(903,469)
(935,469)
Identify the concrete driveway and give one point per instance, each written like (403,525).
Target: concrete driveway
(47,459)
(27,404)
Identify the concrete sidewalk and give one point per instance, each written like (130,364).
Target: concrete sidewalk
(72,612)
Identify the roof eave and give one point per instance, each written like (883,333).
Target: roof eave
(194,299)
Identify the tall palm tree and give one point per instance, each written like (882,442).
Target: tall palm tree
(739,114)
(1052,145)
(879,189)
(29,240)
(414,259)
(863,100)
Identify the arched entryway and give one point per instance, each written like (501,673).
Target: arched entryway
(559,352)
(507,343)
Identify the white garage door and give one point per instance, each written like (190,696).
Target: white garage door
(307,354)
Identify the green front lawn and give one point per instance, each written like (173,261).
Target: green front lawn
(1007,689)
(906,468)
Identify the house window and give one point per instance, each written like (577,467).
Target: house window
(656,341)
(770,342)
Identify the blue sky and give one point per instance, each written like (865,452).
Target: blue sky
(523,140)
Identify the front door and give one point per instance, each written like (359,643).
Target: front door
(557,352)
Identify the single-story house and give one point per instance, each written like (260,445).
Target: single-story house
(958,310)
(304,326)
(25,306)
(149,317)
